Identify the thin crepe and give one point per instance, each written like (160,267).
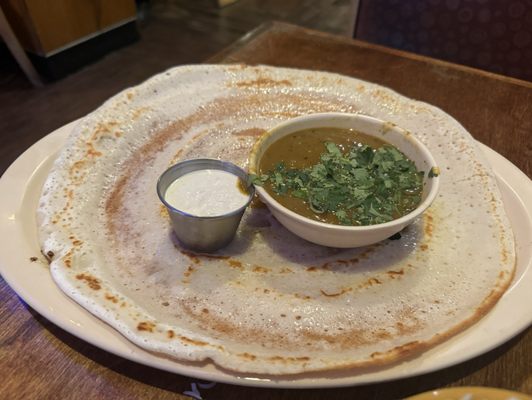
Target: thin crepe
(270,303)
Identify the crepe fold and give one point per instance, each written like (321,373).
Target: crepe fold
(270,303)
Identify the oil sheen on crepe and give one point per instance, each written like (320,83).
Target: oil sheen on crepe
(269,303)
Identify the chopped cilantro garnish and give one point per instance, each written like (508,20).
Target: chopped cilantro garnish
(258,179)
(434,171)
(361,186)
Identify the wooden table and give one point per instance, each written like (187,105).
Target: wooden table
(39,360)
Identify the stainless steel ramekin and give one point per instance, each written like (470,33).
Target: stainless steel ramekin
(203,234)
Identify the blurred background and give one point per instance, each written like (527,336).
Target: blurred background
(60,59)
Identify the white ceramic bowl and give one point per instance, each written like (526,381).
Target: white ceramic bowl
(340,235)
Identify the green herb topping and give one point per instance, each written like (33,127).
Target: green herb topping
(434,171)
(362,186)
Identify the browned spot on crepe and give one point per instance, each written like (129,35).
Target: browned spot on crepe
(288,359)
(193,342)
(263,82)
(261,270)
(335,294)
(91,281)
(370,282)
(253,132)
(428,224)
(248,356)
(146,326)
(111,298)
(235,264)
(395,274)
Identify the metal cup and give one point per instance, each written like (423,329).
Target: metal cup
(203,234)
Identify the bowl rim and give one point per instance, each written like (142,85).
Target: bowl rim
(420,209)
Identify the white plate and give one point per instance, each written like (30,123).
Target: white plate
(20,187)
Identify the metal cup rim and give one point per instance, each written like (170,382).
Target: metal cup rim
(219,163)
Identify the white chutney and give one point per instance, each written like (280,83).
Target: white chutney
(206,193)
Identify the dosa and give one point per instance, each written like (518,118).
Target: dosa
(269,303)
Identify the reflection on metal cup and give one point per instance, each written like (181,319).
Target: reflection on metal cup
(203,233)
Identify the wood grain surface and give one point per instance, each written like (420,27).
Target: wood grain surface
(41,361)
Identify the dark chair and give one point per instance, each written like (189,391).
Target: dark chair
(494,35)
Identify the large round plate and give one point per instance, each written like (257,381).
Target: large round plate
(20,187)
